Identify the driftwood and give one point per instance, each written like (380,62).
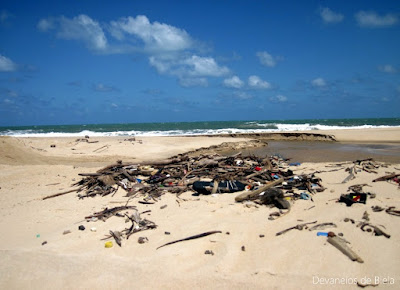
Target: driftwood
(322,226)
(109,212)
(62,193)
(386,177)
(391,210)
(191,238)
(297,227)
(245,195)
(377,231)
(341,245)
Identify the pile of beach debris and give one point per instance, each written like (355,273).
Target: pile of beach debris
(205,174)
(267,181)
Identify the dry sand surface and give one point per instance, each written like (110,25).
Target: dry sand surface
(32,169)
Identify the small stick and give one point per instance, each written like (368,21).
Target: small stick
(61,193)
(191,238)
(299,227)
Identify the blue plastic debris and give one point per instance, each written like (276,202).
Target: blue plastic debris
(305,196)
(295,164)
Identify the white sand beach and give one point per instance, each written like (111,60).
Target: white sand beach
(247,254)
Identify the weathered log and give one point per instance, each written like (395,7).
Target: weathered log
(341,245)
(386,177)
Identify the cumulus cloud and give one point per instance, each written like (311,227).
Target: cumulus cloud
(267,59)
(372,19)
(233,82)
(257,83)
(170,49)
(204,66)
(6,64)
(195,66)
(329,16)
(278,99)
(155,36)
(82,28)
(387,68)
(318,82)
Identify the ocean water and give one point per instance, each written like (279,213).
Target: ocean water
(196,128)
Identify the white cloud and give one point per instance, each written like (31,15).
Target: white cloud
(82,28)
(45,24)
(7,64)
(204,66)
(103,88)
(193,82)
(194,65)
(278,99)
(156,36)
(242,95)
(233,82)
(258,83)
(266,59)
(387,68)
(318,82)
(372,19)
(329,16)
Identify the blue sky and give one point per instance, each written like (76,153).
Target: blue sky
(87,61)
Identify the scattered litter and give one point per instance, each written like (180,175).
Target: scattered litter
(108,244)
(305,196)
(142,240)
(323,234)
(81,228)
(66,232)
(351,198)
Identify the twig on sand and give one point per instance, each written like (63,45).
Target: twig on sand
(191,238)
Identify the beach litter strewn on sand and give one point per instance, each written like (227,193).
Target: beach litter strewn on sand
(267,181)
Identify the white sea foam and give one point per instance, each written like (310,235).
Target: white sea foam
(263,128)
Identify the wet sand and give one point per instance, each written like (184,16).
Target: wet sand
(315,151)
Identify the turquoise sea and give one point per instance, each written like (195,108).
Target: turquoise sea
(197,128)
